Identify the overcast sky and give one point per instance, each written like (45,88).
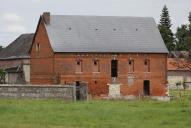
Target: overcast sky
(21,16)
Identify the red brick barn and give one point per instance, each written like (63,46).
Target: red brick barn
(100,50)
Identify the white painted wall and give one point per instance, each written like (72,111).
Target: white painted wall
(178,76)
(26,70)
(114,90)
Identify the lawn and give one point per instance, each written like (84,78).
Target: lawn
(96,114)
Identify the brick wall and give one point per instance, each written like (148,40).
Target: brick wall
(48,67)
(10,63)
(65,67)
(42,60)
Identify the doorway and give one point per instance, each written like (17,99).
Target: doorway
(114,70)
(146,87)
(77,90)
(81,90)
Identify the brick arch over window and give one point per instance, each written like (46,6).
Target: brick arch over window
(78,66)
(95,66)
(130,65)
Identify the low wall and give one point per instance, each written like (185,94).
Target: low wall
(66,92)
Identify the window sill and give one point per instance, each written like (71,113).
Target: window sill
(78,72)
(95,72)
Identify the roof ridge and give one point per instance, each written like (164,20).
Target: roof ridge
(121,16)
(27,34)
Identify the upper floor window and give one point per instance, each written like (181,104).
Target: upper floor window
(147,65)
(79,66)
(95,65)
(114,68)
(131,65)
(37,47)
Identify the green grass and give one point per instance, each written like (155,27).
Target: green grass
(96,114)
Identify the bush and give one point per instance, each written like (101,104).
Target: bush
(2,76)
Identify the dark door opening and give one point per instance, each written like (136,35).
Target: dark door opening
(81,90)
(146,87)
(77,90)
(114,64)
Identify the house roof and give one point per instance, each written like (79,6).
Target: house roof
(181,64)
(19,48)
(104,34)
(15,69)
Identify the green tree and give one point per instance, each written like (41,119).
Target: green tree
(187,43)
(183,43)
(183,36)
(1,48)
(189,19)
(165,29)
(2,76)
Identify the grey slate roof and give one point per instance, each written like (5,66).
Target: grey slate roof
(18,48)
(104,34)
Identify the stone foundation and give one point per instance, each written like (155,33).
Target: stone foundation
(161,98)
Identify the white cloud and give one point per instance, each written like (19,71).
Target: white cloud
(15,15)
(12,23)
(7,38)
(16,28)
(185,21)
(12,17)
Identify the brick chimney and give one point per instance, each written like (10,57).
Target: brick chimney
(46,17)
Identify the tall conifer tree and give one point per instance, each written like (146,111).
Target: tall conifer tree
(165,29)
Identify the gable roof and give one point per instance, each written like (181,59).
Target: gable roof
(104,34)
(19,48)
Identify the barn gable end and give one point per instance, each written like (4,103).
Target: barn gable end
(41,56)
